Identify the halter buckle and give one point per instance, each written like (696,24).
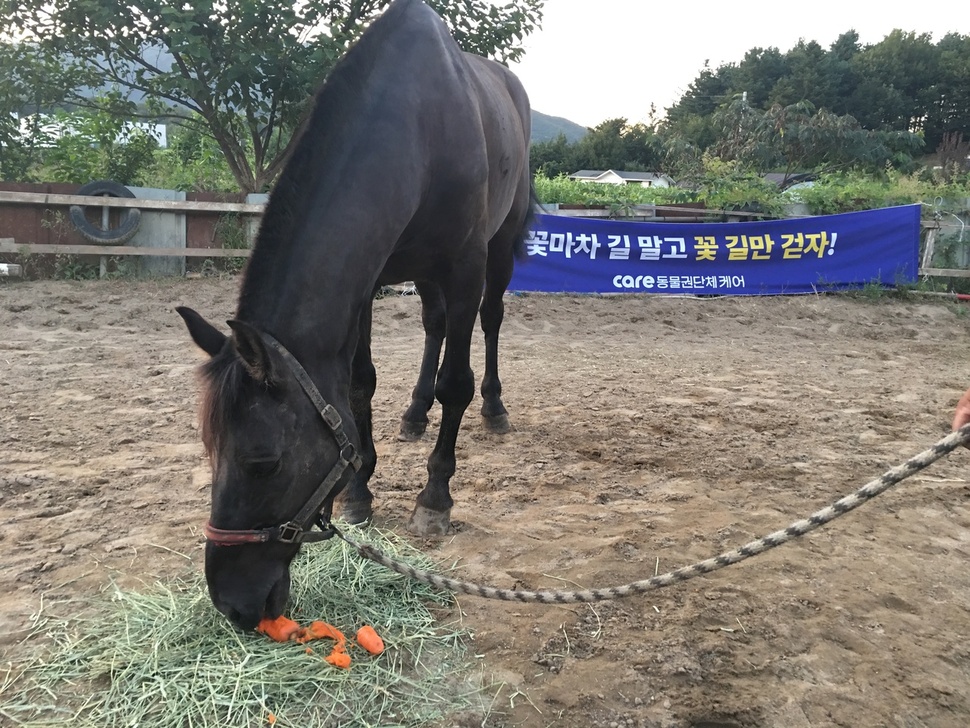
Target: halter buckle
(331,417)
(290,533)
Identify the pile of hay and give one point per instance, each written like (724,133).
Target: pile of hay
(165,657)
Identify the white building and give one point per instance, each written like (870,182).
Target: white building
(54,128)
(611,177)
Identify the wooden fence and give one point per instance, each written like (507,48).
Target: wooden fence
(48,200)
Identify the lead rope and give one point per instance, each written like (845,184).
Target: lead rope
(799,528)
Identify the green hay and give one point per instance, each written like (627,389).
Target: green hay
(167,658)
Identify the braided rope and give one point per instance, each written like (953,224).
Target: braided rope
(799,528)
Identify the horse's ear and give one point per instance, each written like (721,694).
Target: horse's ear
(252,350)
(206,336)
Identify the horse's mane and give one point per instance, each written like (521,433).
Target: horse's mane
(302,179)
(222,378)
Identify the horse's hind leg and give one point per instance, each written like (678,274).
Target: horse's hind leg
(494,414)
(356,500)
(415,419)
(501,259)
(454,389)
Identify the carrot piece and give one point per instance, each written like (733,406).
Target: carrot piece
(368,638)
(271,719)
(339,658)
(319,630)
(280,629)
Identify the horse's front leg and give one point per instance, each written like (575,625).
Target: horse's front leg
(415,419)
(454,389)
(356,501)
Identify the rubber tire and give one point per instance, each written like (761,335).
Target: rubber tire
(130,219)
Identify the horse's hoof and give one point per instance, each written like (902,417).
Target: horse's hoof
(411,431)
(498,424)
(425,522)
(357,512)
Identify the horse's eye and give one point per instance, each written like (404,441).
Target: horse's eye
(263,468)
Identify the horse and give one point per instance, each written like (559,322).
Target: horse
(412,166)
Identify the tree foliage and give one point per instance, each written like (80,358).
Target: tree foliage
(850,106)
(98,145)
(904,83)
(799,137)
(242,71)
(612,144)
(31,81)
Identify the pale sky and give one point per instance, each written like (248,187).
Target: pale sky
(600,59)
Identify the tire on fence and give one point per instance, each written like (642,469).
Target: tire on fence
(130,217)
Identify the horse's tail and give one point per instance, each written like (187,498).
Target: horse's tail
(535,205)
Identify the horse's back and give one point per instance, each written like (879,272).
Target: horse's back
(463,130)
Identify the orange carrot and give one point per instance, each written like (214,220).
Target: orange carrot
(339,658)
(280,629)
(319,630)
(370,640)
(271,719)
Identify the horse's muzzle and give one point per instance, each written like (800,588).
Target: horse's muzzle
(246,584)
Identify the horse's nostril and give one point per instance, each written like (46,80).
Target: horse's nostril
(232,615)
(240,619)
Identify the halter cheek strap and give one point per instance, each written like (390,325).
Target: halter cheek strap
(298,529)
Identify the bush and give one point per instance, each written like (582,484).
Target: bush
(724,186)
(567,191)
(96,145)
(192,162)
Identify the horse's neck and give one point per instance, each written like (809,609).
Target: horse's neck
(309,288)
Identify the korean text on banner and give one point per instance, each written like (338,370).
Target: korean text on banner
(804,255)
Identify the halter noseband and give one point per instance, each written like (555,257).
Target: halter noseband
(297,530)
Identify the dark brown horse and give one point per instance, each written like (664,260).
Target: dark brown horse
(412,166)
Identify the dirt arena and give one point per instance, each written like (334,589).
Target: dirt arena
(648,433)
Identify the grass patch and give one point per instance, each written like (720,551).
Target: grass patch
(165,657)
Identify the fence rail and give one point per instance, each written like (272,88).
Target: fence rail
(7,245)
(40,198)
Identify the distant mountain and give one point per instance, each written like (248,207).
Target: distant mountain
(545,128)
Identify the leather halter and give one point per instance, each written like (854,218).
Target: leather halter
(298,529)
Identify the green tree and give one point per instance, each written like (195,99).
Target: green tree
(706,92)
(98,145)
(759,74)
(898,87)
(553,158)
(807,78)
(612,144)
(31,82)
(242,70)
(844,77)
(603,147)
(800,138)
(688,129)
(951,111)
(904,83)
(192,162)
(643,148)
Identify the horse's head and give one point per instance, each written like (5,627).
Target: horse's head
(268,446)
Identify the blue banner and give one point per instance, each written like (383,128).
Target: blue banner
(798,255)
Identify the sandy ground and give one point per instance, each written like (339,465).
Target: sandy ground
(648,433)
